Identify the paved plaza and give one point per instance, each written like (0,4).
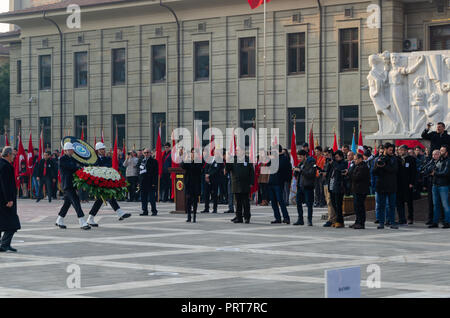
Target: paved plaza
(163,256)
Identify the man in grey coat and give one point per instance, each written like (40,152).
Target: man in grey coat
(9,220)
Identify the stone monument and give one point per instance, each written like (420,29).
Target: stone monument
(408,90)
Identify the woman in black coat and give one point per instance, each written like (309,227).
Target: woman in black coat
(9,220)
(192,184)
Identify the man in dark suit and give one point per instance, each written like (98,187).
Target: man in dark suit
(165,183)
(46,175)
(242,179)
(192,183)
(214,176)
(406,180)
(148,182)
(104,161)
(68,166)
(9,220)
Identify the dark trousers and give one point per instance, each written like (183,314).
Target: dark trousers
(276,197)
(133,181)
(148,194)
(337,198)
(48,187)
(264,192)
(206,194)
(319,194)
(223,191)
(191,204)
(305,195)
(214,192)
(71,198)
(360,208)
(6,238)
(242,201)
(402,198)
(164,191)
(98,204)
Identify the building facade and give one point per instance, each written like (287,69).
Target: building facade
(121,68)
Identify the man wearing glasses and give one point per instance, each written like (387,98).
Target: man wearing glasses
(148,182)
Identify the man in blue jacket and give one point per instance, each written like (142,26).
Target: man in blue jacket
(68,166)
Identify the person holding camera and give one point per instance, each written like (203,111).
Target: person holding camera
(305,173)
(437,138)
(441,186)
(386,169)
(131,173)
(337,171)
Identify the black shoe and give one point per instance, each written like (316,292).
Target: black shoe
(86,227)
(380,227)
(125,216)
(2,250)
(394,227)
(37,201)
(299,222)
(188,220)
(387,223)
(215,211)
(359,227)
(238,221)
(328,224)
(275,222)
(93,224)
(446,226)
(144,214)
(376,222)
(411,222)
(10,249)
(352,226)
(429,222)
(234,219)
(310,223)
(247,221)
(205,211)
(433,226)
(61,226)
(286,221)
(229,211)
(154,213)
(49,200)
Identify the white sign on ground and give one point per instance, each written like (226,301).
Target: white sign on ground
(343,283)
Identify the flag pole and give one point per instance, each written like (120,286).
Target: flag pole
(265,64)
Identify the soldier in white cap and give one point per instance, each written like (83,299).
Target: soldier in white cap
(104,161)
(68,166)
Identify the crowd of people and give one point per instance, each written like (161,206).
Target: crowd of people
(395,175)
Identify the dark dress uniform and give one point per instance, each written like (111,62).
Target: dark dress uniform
(68,166)
(242,179)
(407,174)
(103,162)
(47,172)
(9,220)
(148,183)
(216,175)
(192,187)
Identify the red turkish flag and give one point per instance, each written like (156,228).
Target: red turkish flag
(115,158)
(294,158)
(360,142)
(159,155)
(20,157)
(256,3)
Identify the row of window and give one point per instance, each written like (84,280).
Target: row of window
(296,47)
(348,117)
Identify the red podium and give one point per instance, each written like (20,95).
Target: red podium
(180,199)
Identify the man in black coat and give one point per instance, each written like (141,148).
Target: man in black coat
(406,178)
(385,170)
(9,220)
(360,179)
(46,175)
(214,176)
(104,161)
(337,171)
(306,179)
(192,183)
(437,138)
(276,184)
(148,182)
(68,166)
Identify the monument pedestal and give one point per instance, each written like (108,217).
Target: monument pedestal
(180,200)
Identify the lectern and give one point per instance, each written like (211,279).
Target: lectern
(180,201)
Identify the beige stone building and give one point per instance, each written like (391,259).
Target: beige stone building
(121,68)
